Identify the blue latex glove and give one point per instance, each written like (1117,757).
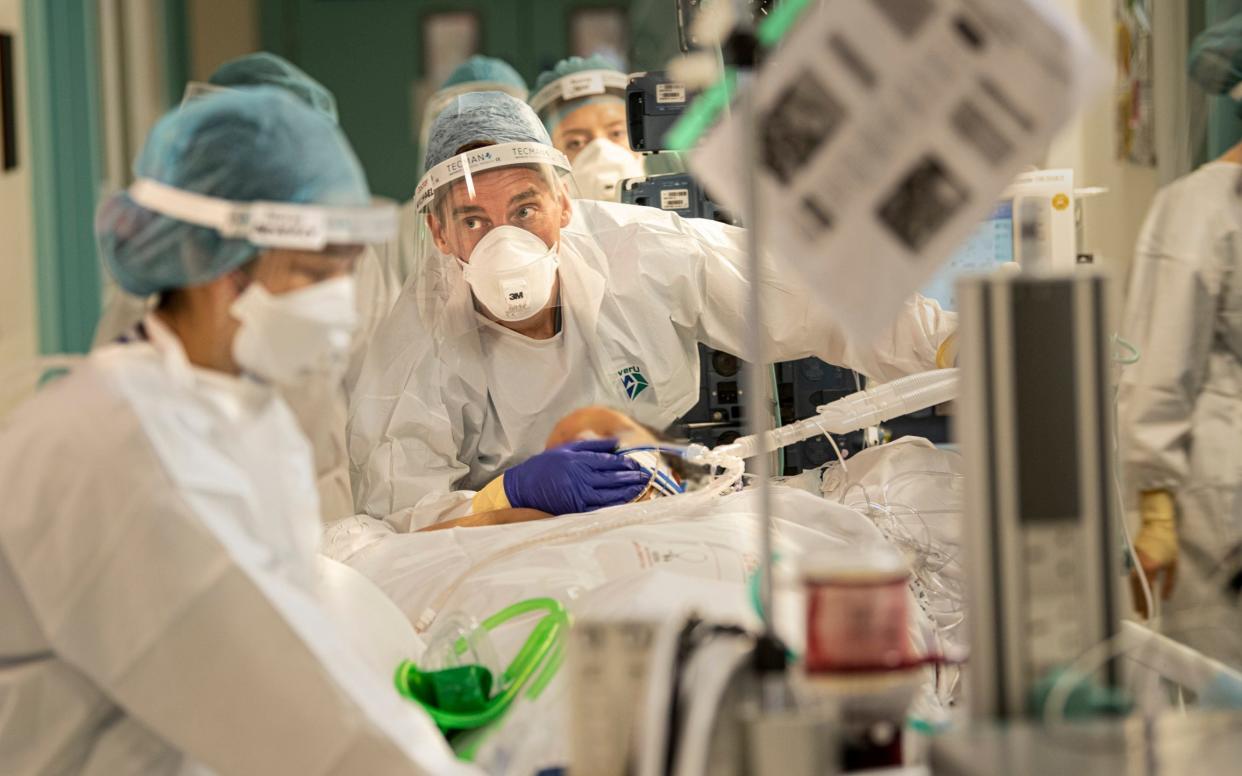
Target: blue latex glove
(577,477)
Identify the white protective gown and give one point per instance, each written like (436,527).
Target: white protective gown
(157,569)
(320,407)
(1180,405)
(431,421)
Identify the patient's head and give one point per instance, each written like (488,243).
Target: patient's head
(601,423)
(606,423)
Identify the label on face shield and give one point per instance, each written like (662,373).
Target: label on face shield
(582,85)
(675,199)
(473,162)
(887,130)
(287,227)
(670,93)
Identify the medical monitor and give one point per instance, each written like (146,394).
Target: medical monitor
(988,247)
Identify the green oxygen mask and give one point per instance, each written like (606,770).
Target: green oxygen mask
(458,682)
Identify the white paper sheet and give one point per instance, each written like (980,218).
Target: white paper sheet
(886,131)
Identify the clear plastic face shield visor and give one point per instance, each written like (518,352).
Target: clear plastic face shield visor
(298,227)
(300,246)
(297,302)
(489,245)
(562,92)
(586,114)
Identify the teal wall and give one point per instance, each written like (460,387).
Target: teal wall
(66,130)
(370,55)
(176,50)
(1224,124)
(62,63)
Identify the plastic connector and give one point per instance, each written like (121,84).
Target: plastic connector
(696,453)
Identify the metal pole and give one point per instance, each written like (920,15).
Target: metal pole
(757,413)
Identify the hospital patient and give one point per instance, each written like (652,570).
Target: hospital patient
(605,432)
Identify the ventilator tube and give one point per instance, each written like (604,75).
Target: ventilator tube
(856,411)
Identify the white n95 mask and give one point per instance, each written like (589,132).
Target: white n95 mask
(601,166)
(290,338)
(511,272)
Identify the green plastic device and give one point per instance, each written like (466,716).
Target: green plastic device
(461,698)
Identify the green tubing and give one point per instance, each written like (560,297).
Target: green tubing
(534,666)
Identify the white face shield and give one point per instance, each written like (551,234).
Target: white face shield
(290,337)
(575,86)
(271,224)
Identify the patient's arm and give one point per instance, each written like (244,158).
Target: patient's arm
(494,517)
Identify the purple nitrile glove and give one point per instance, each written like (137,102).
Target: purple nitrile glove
(577,477)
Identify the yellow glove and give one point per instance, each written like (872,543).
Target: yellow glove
(946,354)
(492,497)
(1156,545)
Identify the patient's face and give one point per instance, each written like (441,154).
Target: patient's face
(603,423)
(599,423)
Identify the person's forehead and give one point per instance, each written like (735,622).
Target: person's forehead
(499,184)
(596,114)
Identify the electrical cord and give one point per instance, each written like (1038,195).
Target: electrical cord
(1153,617)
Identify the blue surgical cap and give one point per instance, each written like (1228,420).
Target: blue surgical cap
(571,65)
(481,69)
(244,145)
(482,117)
(1215,61)
(265,69)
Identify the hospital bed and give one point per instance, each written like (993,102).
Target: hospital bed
(679,555)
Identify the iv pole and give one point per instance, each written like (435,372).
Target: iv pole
(769,651)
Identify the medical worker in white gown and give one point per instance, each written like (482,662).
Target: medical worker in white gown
(160,528)
(528,304)
(319,407)
(582,105)
(1180,404)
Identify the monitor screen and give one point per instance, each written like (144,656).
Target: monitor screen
(991,244)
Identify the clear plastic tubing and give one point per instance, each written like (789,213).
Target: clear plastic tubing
(584,527)
(860,410)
